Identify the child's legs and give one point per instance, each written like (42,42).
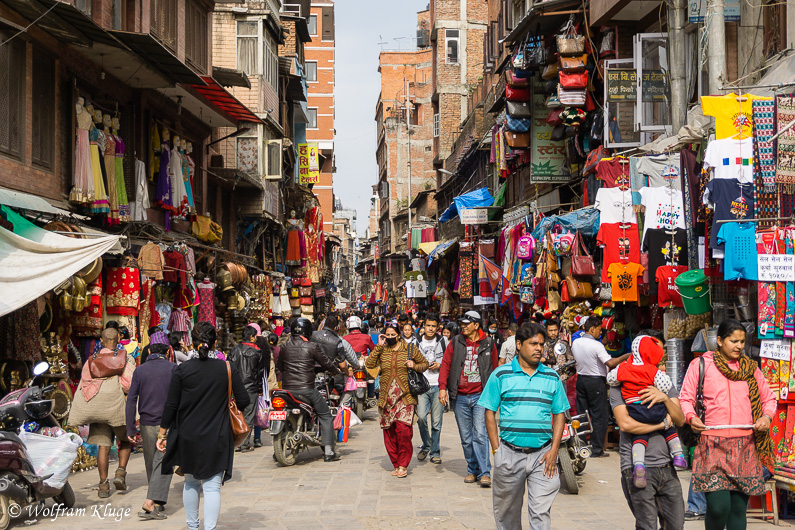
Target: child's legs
(674,444)
(639,443)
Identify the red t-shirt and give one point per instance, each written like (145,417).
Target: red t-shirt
(622,245)
(666,289)
(614,173)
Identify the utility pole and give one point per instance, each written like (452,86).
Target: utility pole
(716,43)
(678,75)
(408,144)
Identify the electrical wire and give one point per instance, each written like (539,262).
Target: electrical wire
(20,32)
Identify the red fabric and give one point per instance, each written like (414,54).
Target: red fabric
(361,343)
(621,245)
(571,394)
(397,440)
(123,291)
(666,290)
(614,173)
(636,377)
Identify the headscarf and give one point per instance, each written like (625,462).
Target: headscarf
(159,337)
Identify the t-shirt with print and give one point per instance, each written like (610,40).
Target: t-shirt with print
(664,209)
(621,245)
(732,117)
(614,205)
(667,293)
(741,260)
(661,170)
(433,352)
(614,173)
(664,248)
(470,382)
(731,159)
(624,281)
(730,200)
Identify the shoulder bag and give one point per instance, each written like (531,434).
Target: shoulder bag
(686,434)
(240,428)
(519,109)
(578,290)
(581,262)
(516,124)
(418,384)
(107,364)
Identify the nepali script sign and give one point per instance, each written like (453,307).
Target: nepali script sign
(547,157)
(622,85)
(779,350)
(308,169)
(776,267)
(474,216)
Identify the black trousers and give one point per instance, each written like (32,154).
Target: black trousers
(592,396)
(320,405)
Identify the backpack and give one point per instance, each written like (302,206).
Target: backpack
(524,248)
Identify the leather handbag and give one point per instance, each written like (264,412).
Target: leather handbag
(305,300)
(418,383)
(578,290)
(553,118)
(520,125)
(569,42)
(571,97)
(571,80)
(517,140)
(295,292)
(573,64)
(517,94)
(305,291)
(519,109)
(512,80)
(240,428)
(564,292)
(306,282)
(558,133)
(581,262)
(550,72)
(553,301)
(295,303)
(106,364)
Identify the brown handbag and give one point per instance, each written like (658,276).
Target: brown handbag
(581,262)
(104,364)
(240,428)
(553,301)
(517,139)
(295,303)
(578,289)
(574,64)
(305,291)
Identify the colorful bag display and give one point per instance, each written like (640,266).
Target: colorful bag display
(571,97)
(578,290)
(517,140)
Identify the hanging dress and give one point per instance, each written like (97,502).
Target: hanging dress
(96,140)
(179,196)
(110,174)
(294,233)
(163,193)
(121,187)
(83,180)
(206,302)
(191,212)
(141,203)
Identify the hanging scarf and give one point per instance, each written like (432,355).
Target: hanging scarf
(762,440)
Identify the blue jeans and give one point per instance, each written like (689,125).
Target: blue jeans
(696,500)
(212,500)
(471,420)
(429,403)
(258,433)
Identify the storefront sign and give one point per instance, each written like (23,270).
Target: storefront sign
(622,84)
(780,350)
(547,157)
(697,11)
(320,293)
(776,267)
(474,216)
(308,170)
(485,300)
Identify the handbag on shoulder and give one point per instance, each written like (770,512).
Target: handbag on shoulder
(418,383)
(240,428)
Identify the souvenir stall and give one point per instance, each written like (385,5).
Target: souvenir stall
(305,260)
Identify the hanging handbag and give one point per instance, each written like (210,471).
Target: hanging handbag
(686,434)
(539,287)
(517,140)
(553,118)
(512,80)
(240,428)
(519,125)
(525,246)
(517,94)
(606,292)
(295,292)
(295,303)
(305,291)
(582,263)
(574,80)
(418,383)
(553,301)
(519,109)
(578,290)
(535,53)
(553,102)
(573,64)
(487,249)
(571,97)
(521,73)
(550,72)
(569,43)
(572,117)
(518,59)
(107,364)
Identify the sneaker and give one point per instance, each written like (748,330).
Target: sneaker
(104,489)
(120,480)
(680,462)
(692,516)
(470,479)
(485,481)
(333,457)
(422,455)
(639,476)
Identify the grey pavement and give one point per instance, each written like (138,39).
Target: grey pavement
(355,492)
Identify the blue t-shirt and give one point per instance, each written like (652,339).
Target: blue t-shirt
(740,259)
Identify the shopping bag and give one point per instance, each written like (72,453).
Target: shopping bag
(338,419)
(344,415)
(52,456)
(261,416)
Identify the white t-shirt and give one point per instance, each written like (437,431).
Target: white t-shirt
(508,349)
(661,170)
(664,209)
(614,205)
(433,353)
(732,159)
(590,355)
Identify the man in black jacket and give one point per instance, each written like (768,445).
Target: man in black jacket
(250,362)
(296,362)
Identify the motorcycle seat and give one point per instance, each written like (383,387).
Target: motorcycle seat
(295,397)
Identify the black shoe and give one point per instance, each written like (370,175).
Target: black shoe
(333,457)
(691,516)
(257,443)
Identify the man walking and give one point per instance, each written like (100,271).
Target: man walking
(508,349)
(431,347)
(531,401)
(467,364)
(593,363)
(250,363)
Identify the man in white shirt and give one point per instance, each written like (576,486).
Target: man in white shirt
(508,350)
(431,347)
(593,363)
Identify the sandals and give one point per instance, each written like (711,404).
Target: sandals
(395,472)
(155,514)
(436,460)
(402,472)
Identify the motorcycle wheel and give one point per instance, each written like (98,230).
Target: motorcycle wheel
(5,516)
(579,462)
(283,455)
(66,497)
(358,408)
(567,478)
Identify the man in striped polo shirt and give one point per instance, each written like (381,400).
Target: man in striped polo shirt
(531,401)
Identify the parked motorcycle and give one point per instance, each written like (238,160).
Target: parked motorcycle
(573,452)
(18,480)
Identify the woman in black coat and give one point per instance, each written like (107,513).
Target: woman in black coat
(195,432)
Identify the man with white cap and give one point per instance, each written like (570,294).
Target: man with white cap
(466,366)
(250,363)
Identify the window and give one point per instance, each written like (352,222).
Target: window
(274,162)
(12,95)
(311,71)
(451,44)
(196,36)
(436,125)
(248,154)
(313,25)
(163,16)
(117,14)
(414,115)
(271,66)
(85,6)
(311,114)
(247,49)
(44,109)
(328,24)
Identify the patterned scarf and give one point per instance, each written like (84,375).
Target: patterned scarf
(785,146)
(762,440)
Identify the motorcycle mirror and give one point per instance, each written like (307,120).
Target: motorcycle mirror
(41,368)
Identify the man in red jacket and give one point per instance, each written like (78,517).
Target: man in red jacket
(361,343)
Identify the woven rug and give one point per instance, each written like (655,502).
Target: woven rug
(764,112)
(785,145)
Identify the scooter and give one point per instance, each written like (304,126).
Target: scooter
(573,452)
(18,480)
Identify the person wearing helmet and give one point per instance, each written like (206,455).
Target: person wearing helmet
(296,363)
(361,343)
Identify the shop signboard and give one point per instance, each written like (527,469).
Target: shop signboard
(697,11)
(320,293)
(622,85)
(776,267)
(547,157)
(474,216)
(308,169)
(485,300)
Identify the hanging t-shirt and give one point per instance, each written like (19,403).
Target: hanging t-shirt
(661,170)
(732,159)
(740,261)
(621,245)
(664,248)
(732,117)
(730,200)
(637,180)
(664,209)
(624,281)
(614,205)
(667,293)
(614,172)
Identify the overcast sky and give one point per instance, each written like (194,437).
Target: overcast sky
(360,26)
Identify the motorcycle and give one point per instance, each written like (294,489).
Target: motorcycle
(18,480)
(361,402)
(294,423)
(573,452)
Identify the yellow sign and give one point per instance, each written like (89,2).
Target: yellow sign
(308,170)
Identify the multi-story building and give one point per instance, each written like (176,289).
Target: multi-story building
(348,252)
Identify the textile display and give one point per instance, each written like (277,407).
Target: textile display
(123,290)
(764,125)
(785,144)
(467,260)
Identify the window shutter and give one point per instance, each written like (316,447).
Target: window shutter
(43,110)
(328,24)
(12,95)
(274,164)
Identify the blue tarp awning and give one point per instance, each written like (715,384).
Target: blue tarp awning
(480,198)
(585,221)
(439,251)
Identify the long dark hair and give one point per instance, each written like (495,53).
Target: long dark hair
(204,338)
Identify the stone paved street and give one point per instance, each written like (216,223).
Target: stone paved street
(358,492)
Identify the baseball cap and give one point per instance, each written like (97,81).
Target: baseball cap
(470,316)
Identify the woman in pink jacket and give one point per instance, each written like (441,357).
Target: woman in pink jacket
(735,439)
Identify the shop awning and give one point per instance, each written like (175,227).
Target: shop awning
(441,250)
(225,101)
(26,201)
(585,221)
(156,53)
(480,198)
(429,247)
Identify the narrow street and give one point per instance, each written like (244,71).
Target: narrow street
(357,492)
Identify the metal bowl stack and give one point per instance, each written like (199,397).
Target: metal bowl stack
(675,365)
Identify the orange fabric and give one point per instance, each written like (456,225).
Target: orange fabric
(624,281)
